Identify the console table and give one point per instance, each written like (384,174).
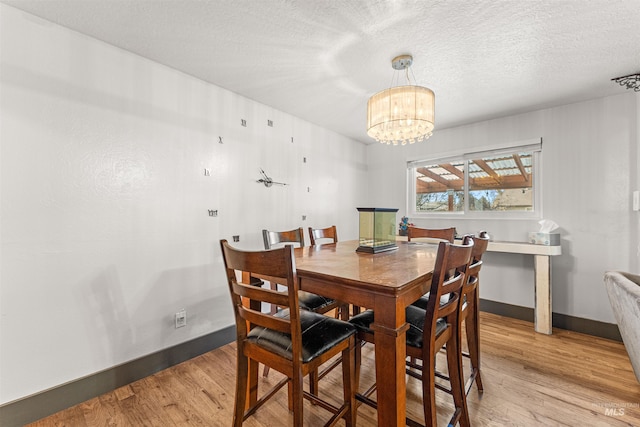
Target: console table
(542,269)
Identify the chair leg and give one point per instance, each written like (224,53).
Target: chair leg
(358,359)
(252,391)
(290,395)
(429,389)
(313,383)
(349,381)
(242,376)
(454,364)
(343,310)
(295,394)
(473,339)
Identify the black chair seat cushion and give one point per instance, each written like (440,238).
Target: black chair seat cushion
(313,302)
(363,321)
(415,318)
(319,334)
(424,300)
(421,302)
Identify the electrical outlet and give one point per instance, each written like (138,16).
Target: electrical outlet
(236,238)
(181,318)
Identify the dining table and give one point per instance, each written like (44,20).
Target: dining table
(386,282)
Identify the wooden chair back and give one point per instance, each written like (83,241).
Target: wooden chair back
(449,276)
(480,244)
(276,265)
(447,234)
(323,233)
(469,290)
(272,238)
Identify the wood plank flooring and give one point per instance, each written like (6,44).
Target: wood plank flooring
(566,379)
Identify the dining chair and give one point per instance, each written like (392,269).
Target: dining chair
(429,331)
(294,342)
(329,233)
(307,300)
(470,312)
(272,238)
(447,234)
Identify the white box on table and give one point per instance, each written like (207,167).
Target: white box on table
(547,239)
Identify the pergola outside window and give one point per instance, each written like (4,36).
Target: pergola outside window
(491,181)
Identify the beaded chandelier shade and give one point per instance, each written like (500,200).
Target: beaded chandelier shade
(401,114)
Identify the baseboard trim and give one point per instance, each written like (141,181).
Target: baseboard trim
(562,321)
(40,405)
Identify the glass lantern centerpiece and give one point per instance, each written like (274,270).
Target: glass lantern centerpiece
(377,230)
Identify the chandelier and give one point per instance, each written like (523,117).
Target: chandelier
(401,114)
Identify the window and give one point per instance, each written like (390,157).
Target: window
(478,184)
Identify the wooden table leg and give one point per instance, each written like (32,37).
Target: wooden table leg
(543,313)
(390,350)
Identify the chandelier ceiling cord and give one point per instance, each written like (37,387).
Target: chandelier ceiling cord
(401,114)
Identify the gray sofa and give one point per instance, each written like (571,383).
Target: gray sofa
(624,295)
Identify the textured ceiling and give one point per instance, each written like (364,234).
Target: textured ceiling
(321,59)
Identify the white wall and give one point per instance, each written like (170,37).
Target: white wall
(104,226)
(589,170)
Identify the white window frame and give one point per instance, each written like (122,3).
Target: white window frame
(534,146)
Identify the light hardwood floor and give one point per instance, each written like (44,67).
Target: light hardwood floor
(565,379)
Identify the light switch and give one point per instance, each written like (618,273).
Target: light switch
(636,201)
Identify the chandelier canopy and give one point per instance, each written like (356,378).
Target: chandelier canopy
(401,114)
